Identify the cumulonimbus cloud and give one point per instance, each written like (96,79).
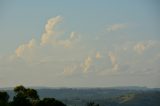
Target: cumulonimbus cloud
(116,27)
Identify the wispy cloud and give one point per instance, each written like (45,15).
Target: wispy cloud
(69,70)
(67,42)
(116,27)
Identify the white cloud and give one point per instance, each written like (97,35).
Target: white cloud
(25,48)
(116,27)
(113,60)
(87,64)
(50,29)
(98,55)
(67,42)
(142,46)
(48,37)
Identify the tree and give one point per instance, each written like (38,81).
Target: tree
(26,92)
(19,89)
(50,102)
(24,96)
(20,100)
(32,94)
(27,97)
(4,98)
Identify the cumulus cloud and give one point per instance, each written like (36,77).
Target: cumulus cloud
(142,46)
(116,27)
(113,60)
(67,42)
(87,64)
(49,36)
(46,37)
(25,48)
(50,29)
(98,55)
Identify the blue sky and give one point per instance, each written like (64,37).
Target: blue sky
(79,43)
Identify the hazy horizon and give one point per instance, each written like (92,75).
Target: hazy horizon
(75,43)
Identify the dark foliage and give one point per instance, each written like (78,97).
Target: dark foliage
(4,98)
(27,97)
(50,102)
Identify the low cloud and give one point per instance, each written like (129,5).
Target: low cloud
(67,42)
(113,60)
(47,38)
(50,30)
(116,27)
(25,48)
(69,70)
(87,64)
(142,46)
(98,55)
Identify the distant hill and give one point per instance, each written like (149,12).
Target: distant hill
(114,96)
(136,99)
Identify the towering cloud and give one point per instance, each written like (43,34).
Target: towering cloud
(67,42)
(48,37)
(50,29)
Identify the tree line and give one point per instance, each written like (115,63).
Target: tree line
(27,97)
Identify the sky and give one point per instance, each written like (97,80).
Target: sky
(80,43)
